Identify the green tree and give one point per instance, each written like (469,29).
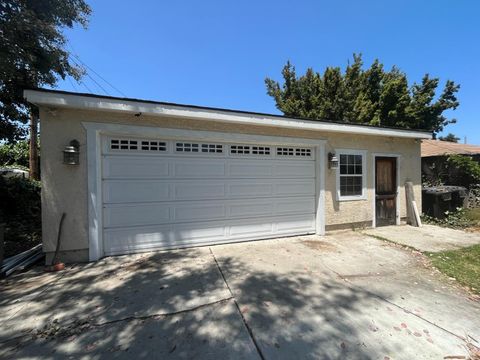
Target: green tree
(368,96)
(449,137)
(32,54)
(16,154)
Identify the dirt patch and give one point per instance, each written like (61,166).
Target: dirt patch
(473,229)
(319,245)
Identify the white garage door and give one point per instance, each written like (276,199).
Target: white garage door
(170,193)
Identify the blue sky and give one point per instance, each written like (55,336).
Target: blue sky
(218,53)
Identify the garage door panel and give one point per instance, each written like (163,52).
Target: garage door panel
(197,190)
(250,169)
(295,188)
(295,206)
(297,223)
(198,211)
(252,228)
(136,214)
(249,189)
(118,241)
(186,168)
(120,215)
(124,167)
(127,191)
(293,169)
(259,208)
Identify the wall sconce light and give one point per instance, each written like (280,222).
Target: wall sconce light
(332,161)
(71,153)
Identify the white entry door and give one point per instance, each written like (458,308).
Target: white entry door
(169,193)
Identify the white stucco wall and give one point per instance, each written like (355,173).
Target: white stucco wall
(65,187)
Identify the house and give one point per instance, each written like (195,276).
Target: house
(134,175)
(435,154)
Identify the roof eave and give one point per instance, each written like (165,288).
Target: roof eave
(64,100)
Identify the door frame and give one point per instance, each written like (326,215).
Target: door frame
(96,131)
(374,189)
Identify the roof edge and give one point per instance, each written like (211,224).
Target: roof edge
(58,98)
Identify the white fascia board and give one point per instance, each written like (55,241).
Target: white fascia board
(53,99)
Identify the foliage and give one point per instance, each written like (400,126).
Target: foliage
(460,170)
(20,210)
(368,96)
(449,137)
(32,48)
(14,154)
(459,219)
(463,265)
(463,170)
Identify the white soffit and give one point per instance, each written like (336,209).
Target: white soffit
(99,103)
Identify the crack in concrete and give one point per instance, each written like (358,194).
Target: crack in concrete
(249,330)
(395,305)
(89,325)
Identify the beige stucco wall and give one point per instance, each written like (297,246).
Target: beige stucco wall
(65,187)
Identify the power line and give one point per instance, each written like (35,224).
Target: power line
(71,83)
(86,87)
(91,78)
(100,76)
(73,53)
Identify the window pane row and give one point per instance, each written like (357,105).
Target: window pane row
(351,164)
(350,185)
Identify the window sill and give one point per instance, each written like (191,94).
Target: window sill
(351,198)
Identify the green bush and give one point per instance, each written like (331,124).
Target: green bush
(20,210)
(15,154)
(459,219)
(464,170)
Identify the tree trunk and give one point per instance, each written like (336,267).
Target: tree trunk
(33,158)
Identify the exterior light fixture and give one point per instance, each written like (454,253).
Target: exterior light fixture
(332,161)
(71,153)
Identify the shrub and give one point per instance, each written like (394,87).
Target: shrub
(458,219)
(15,154)
(20,210)
(464,170)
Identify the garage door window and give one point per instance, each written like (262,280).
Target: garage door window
(144,145)
(351,175)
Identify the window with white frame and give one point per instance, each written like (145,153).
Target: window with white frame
(351,174)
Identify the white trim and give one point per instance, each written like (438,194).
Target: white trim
(94,188)
(320,189)
(183,134)
(397,200)
(95,131)
(363,153)
(79,101)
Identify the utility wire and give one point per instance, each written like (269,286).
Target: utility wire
(71,83)
(73,53)
(91,78)
(86,87)
(100,76)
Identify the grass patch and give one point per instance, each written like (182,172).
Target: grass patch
(458,219)
(473,215)
(463,265)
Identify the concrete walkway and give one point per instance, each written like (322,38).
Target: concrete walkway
(345,296)
(429,238)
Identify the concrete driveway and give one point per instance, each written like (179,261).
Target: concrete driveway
(345,295)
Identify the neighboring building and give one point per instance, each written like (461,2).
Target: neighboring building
(436,148)
(153,175)
(435,153)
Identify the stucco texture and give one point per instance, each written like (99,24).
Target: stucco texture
(65,187)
